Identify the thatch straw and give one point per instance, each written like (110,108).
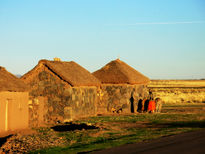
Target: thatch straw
(9,82)
(118,72)
(69,72)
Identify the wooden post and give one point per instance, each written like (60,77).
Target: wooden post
(6,115)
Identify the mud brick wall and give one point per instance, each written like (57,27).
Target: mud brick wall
(14,105)
(120,98)
(61,103)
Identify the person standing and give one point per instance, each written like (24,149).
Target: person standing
(151,106)
(158,102)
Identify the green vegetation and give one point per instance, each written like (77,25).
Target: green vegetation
(115,130)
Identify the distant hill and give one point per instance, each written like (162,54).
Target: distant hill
(18,75)
(177,83)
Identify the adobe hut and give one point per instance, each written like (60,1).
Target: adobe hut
(122,87)
(13,102)
(60,92)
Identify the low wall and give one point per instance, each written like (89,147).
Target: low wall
(179,91)
(180,95)
(120,98)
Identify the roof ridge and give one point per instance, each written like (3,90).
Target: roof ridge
(122,73)
(68,71)
(9,82)
(61,76)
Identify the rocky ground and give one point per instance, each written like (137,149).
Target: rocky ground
(23,143)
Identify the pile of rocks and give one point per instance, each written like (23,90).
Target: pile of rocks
(20,143)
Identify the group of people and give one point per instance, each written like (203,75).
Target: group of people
(154,105)
(150,105)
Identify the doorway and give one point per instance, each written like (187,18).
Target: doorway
(132,104)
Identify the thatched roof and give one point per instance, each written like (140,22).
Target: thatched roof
(9,82)
(70,72)
(118,72)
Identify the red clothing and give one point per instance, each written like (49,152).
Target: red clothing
(151,106)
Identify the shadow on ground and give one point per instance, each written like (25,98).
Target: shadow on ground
(72,127)
(4,139)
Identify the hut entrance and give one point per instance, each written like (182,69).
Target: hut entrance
(6,120)
(132,104)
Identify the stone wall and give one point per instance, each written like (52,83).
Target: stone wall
(37,111)
(120,98)
(53,101)
(60,102)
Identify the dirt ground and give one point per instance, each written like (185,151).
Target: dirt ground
(184,109)
(185,143)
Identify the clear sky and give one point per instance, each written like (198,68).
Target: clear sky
(163,39)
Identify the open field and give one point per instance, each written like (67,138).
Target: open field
(178,83)
(179,91)
(109,130)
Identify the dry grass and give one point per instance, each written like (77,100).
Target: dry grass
(177,83)
(179,91)
(9,82)
(117,72)
(69,72)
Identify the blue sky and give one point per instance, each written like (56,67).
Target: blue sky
(163,39)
